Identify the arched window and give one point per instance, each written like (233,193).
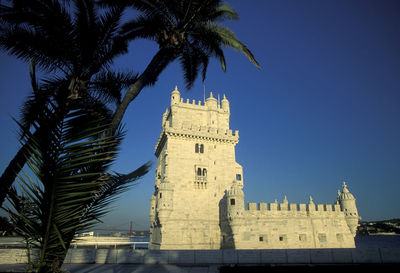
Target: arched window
(204,172)
(196,149)
(199,171)
(201,148)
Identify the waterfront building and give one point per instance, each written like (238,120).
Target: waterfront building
(198,202)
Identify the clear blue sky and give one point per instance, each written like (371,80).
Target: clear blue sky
(324,107)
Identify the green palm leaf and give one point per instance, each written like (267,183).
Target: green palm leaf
(70,185)
(74,43)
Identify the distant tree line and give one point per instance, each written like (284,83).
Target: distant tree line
(385,226)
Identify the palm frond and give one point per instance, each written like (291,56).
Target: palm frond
(222,13)
(229,39)
(71,184)
(107,84)
(142,27)
(27,33)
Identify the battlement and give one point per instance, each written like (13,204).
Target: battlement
(199,105)
(292,208)
(194,103)
(202,130)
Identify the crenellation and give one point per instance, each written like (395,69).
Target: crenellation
(198,202)
(252,206)
(263,206)
(292,208)
(273,206)
(283,207)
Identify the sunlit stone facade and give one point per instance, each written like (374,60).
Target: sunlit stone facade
(198,201)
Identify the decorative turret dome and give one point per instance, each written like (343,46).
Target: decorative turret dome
(175,96)
(211,102)
(235,189)
(345,194)
(176,91)
(225,104)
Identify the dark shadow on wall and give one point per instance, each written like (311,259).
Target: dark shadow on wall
(227,240)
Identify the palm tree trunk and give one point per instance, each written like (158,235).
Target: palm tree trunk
(149,76)
(14,167)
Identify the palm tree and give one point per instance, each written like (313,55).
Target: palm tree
(187,30)
(70,186)
(76,50)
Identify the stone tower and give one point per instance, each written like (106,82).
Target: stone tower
(195,166)
(198,202)
(348,205)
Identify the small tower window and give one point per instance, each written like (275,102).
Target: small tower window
(198,171)
(232,202)
(322,237)
(303,237)
(160,194)
(238,177)
(199,148)
(204,172)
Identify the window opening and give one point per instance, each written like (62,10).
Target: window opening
(322,237)
(232,202)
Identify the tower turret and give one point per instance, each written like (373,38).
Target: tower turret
(212,102)
(348,206)
(225,104)
(235,201)
(164,200)
(175,96)
(152,209)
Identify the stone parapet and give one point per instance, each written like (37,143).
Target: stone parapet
(292,209)
(220,257)
(197,132)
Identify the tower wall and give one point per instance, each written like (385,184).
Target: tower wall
(194,137)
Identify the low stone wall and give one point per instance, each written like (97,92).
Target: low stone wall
(227,256)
